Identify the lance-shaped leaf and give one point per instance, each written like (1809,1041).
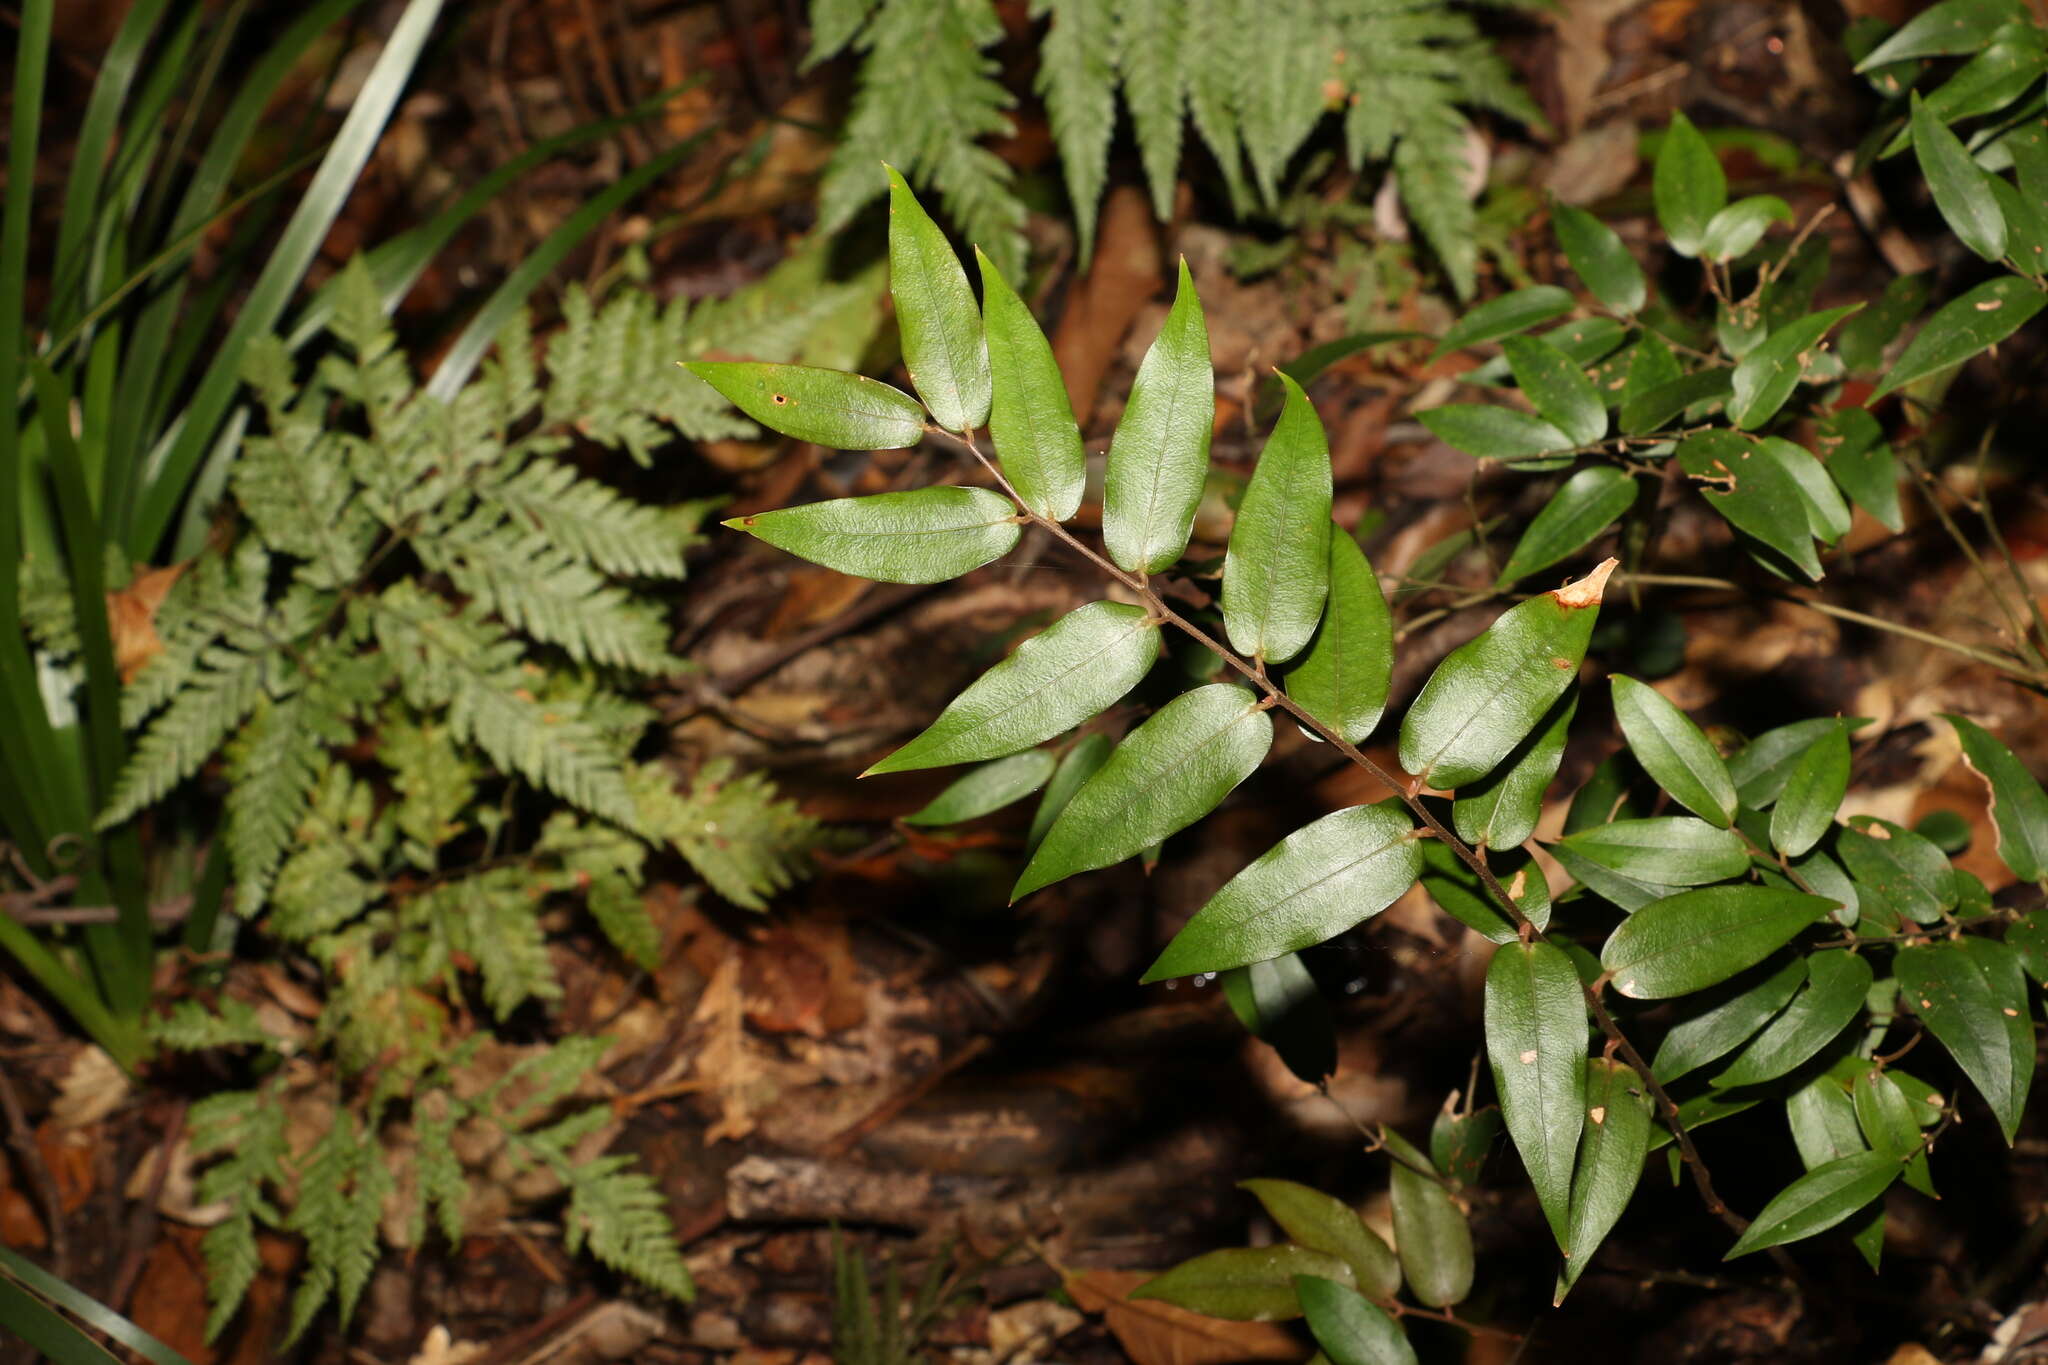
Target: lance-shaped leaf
(1351,1329)
(1501,810)
(1159,455)
(1536,1041)
(1962,327)
(1242,1284)
(1745,1005)
(1674,751)
(1648,409)
(1167,774)
(1430,1233)
(1083,662)
(926,535)
(1753,491)
(1460,1143)
(1490,692)
(986,788)
(1945,29)
(2019,808)
(1837,982)
(1494,433)
(1460,894)
(1888,1123)
(1689,941)
(1827,514)
(1327,1224)
(1852,445)
(1276,571)
(1319,881)
(1768,374)
(943,347)
(1763,766)
(1806,808)
(1972,996)
(1587,504)
(1822,1118)
(1816,1201)
(1913,876)
(1343,677)
(829,407)
(1079,764)
(1688,185)
(1957,184)
(1513,312)
(1599,258)
(1739,226)
(1674,850)
(1030,418)
(1611,1151)
(1280,1004)
(1553,381)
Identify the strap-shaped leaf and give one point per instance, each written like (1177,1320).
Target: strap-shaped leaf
(1745,1005)
(1964,326)
(1327,1224)
(1837,981)
(1674,850)
(1816,1201)
(1675,752)
(1889,1125)
(1351,1329)
(1167,774)
(1972,996)
(1611,1150)
(1319,881)
(1492,691)
(1513,312)
(1079,764)
(1553,381)
(1159,455)
(1753,492)
(988,787)
(1085,661)
(1806,808)
(926,535)
(1957,184)
(943,348)
(1536,1041)
(1687,184)
(1030,418)
(1460,894)
(1276,571)
(1599,258)
(1343,677)
(1494,433)
(1692,940)
(1766,376)
(829,407)
(1913,876)
(2019,808)
(1501,809)
(1587,504)
(1242,1284)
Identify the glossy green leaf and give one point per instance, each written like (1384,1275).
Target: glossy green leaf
(1957,183)
(1599,258)
(1558,388)
(1744,1005)
(1863,340)
(1343,677)
(1688,185)
(1167,774)
(1611,1151)
(1319,881)
(1079,764)
(1536,1041)
(1085,661)
(1766,376)
(1493,433)
(1327,1224)
(1490,692)
(2028,936)
(1674,751)
(1159,454)
(1972,996)
(1941,30)
(1351,1329)
(1292,1016)
(1242,1284)
(1675,850)
(1513,312)
(1859,459)
(943,347)
(1628,892)
(828,407)
(2028,144)
(1827,515)
(1964,326)
(1692,940)
(1823,1120)
(1030,419)
(1459,1144)
(1826,877)
(1912,875)
(1816,1201)
(1806,809)
(1762,767)
(1604,796)
(1698,1111)
(2019,808)
(927,535)
(1741,225)
(1430,1233)
(1459,893)
(1502,808)
(988,787)
(1753,492)
(1836,983)
(1587,504)
(1276,572)
(1889,1125)
(1649,409)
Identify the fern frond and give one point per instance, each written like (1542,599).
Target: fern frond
(833,25)
(434,780)
(622,1217)
(249,1128)
(191,1027)
(189,731)
(1430,161)
(340,1199)
(540,1080)
(539,590)
(218,595)
(496,915)
(1151,56)
(1077,79)
(607,866)
(436,1167)
(317,890)
(1215,83)
(741,837)
(591,521)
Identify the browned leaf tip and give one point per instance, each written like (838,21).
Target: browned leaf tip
(1587,591)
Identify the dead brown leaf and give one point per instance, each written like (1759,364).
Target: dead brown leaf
(1154,1333)
(131,618)
(722,1062)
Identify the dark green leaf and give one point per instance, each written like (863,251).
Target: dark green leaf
(2028,937)
(1562,394)
(1911,874)
(1083,662)
(1823,1120)
(1460,1143)
(1501,810)
(1293,1018)
(1327,1224)
(1768,374)
(1029,419)
(1630,893)
(1343,677)
(1709,1106)
(1859,459)
(1675,850)
(1947,831)
(927,535)
(1763,766)
(1972,996)
(943,347)
(1276,571)
(1957,183)
(1351,1329)
(1505,316)
(1430,1234)
(1748,1003)
(1652,408)
(1688,185)
(1818,1200)
(1599,258)
(1689,941)
(828,407)
(1827,515)
(1806,809)
(1836,983)
(1891,1127)
(1587,504)
(1242,1284)
(1753,491)
(1167,774)
(2019,808)
(1962,327)
(1950,27)
(1862,341)
(1650,366)
(1492,432)
(1674,752)
(1459,893)
(1825,877)
(1611,1151)
(1159,455)
(1604,796)
(1741,225)
(1081,762)
(1536,1041)
(987,788)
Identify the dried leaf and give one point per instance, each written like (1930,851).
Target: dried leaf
(1155,1333)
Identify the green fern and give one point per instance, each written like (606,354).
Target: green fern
(622,1217)
(342,1186)
(743,839)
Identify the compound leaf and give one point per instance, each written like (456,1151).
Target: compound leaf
(1688,185)
(1553,381)
(926,535)
(1276,571)
(1964,326)
(943,347)
(1806,808)
(989,787)
(1159,455)
(1351,1329)
(1030,418)
(828,407)
(1837,982)
(1242,1284)
(1816,1201)
(1327,1224)
(1587,504)
(1599,258)
(1612,1145)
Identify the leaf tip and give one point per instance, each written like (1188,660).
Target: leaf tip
(738,523)
(1587,591)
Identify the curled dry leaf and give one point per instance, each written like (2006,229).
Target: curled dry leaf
(1155,1333)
